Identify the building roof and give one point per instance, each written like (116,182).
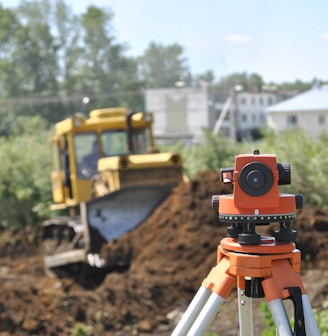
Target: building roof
(315,99)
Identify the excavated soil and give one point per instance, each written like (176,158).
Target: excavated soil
(170,254)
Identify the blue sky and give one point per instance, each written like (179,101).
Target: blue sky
(281,40)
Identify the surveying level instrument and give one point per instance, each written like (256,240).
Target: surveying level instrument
(259,266)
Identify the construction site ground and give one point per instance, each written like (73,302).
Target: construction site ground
(170,254)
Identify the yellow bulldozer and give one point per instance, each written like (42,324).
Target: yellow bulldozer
(107,177)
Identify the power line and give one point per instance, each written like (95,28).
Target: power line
(77,97)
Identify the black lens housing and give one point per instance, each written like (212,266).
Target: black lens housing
(255,179)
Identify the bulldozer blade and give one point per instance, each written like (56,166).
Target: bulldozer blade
(121,211)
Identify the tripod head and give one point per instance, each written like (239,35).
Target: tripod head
(256,199)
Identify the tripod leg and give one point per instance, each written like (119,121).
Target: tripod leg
(206,316)
(207,302)
(283,284)
(280,317)
(245,305)
(310,323)
(192,312)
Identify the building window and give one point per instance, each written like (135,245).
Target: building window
(253,101)
(270,101)
(253,118)
(261,101)
(321,119)
(292,120)
(244,117)
(243,100)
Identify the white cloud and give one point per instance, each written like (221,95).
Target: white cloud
(237,38)
(324,36)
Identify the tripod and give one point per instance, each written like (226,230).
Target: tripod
(269,269)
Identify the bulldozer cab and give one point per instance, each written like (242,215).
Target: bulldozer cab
(80,143)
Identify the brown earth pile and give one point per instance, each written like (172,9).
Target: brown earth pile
(170,254)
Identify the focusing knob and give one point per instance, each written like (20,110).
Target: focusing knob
(299,201)
(215,202)
(284,173)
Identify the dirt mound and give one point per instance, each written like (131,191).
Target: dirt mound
(170,254)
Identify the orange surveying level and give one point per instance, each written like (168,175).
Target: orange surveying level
(256,199)
(259,266)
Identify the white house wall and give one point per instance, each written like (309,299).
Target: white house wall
(307,110)
(251,108)
(178,112)
(313,122)
(277,121)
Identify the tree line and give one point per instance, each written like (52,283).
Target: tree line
(51,58)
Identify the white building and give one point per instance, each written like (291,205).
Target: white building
(308,110)
(183,113)
(245,113)
(179,113)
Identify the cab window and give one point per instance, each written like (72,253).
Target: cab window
(87,154)
(114,142)
(141,140)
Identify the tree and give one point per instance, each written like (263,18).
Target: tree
(50,59)
(29,64)
(254,82)
(207,77)
(248,82)
(105,71)
(297,86)
(37,62)
(9,30)
(25,191)
(68,29)
(163,66)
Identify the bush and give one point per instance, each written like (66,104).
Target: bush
(80,329)
(320,316)
(25,190)
(214,153)
(309,163)
(307,156)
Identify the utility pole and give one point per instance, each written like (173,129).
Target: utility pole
(234,114)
